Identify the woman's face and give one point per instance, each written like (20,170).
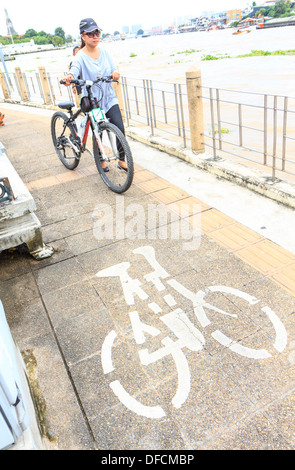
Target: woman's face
(92,38)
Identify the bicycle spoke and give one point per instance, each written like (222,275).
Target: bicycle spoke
(64,140)
(116,153)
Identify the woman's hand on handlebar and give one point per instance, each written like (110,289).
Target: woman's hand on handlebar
(115,75)
(67,80)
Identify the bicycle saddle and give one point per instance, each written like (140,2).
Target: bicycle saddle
(66,105)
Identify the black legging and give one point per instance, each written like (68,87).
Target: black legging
(115,117)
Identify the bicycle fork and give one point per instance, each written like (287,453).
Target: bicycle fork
(100,145)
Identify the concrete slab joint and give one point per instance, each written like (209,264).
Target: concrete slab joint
(18,222)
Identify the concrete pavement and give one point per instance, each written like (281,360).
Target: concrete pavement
(139,343)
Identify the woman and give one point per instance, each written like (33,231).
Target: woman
(76,89)
(91,61)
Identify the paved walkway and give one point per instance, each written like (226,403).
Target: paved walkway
(140,343)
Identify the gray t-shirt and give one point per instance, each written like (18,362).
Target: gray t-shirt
(87,68)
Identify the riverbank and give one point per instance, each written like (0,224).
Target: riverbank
(167,58)
(15,52)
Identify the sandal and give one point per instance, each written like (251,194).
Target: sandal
(104,167)
(122,167)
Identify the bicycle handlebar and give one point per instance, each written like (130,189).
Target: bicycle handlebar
(89,82)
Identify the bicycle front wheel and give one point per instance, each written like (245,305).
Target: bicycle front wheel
(115,147)
(64,140)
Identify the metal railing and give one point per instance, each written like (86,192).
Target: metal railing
(34,89)
(253,128)
(161,106)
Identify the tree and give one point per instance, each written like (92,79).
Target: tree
(263,11)
(59,32)
(40,40)
(140,32)
(30,33)
(57,40)
(280,9)
(4,40)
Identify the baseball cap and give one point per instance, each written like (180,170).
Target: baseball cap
(88,25)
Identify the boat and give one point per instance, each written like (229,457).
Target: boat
(239,31)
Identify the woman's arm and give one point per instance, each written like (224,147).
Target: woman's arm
(114,71)
(74,73)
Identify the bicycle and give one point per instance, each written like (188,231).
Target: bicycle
(107,140)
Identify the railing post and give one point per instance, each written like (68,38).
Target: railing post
(118,90)
(195,107)
(45,85)
(76,97)
(4,86)
(21,84)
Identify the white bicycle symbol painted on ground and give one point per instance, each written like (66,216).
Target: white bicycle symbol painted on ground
(188,336)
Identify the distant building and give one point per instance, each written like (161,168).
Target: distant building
(233,15)
(156,30)
(221,17)
(135,28)
(208,14)
(181,20)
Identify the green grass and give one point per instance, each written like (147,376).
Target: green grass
(210,57)
(223,130)
(186,52)
(253,53)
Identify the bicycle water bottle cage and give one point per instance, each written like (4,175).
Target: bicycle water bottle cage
(66,105)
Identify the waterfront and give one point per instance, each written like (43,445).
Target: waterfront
(252,131)
(167,58)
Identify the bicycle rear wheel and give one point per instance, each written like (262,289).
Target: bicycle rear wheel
(64,140)
(113,141)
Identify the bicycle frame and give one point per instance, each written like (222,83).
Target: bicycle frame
(94,117)
(91,121)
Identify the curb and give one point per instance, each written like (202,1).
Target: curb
(242,175)
(255,180)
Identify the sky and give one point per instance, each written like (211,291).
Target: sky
(110,16)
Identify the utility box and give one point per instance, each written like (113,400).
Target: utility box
(18,424)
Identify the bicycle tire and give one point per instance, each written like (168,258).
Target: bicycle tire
(115,179)
(60,137)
